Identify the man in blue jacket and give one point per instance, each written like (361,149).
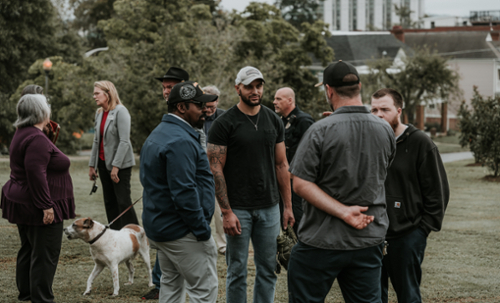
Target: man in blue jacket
(179,198)
(417,194)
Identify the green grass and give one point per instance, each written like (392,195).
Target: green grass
(462,262)
(449,144)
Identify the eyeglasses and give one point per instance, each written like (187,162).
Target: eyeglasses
(201,105)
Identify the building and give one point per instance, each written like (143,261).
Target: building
(366,15)
(443,21)
(473,51)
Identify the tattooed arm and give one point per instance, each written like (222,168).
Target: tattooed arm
(217,158)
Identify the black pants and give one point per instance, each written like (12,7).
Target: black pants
(312,271)
(37,261)
(117,196)
(402,265)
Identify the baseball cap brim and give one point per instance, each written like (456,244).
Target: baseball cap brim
(168,77)
(206,98)
(251,79)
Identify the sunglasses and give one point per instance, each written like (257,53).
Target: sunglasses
(201,105)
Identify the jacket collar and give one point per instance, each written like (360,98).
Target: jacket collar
(293,112)
(351,109)
(169,119)
(408,131)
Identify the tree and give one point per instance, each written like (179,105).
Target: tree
(404,14)
(29,30)
(87,14)
(421,78)
(480,128)
(70,98)
(296,12)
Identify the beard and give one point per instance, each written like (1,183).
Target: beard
(200,122)
(248,102)
(394,123)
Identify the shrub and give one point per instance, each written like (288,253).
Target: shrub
(480,128)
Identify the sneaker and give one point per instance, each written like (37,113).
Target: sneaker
(153,294)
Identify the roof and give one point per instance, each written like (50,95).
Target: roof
(455,44)
(358,49)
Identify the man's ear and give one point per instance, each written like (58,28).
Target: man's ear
(181,107)
(329,91)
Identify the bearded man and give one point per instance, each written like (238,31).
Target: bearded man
(417,193)
(247,156)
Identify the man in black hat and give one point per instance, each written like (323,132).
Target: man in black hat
(339,169)
(179,198)
(173,76)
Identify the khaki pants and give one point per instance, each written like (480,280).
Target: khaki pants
(187,265)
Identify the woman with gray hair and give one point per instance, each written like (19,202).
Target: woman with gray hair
(52,128)
(38,197)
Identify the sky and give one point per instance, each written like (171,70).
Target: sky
(432,7)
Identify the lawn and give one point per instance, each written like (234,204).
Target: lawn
(449,144)
(462,262)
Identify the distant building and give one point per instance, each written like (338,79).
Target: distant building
(366,15)
(473,51)
(485,17)
(358,48)
(443,21)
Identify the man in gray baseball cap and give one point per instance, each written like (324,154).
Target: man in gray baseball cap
(249,139)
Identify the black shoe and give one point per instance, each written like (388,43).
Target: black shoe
(153,294)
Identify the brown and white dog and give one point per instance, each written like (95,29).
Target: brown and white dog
(111,247)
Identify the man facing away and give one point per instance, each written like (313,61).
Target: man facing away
(213,113)
(296,123)
(339,169)
(417,194)
(248,160)
(173,76)
(179,198)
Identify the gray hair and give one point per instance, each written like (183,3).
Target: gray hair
(31,110)
(212,90)
(32,89)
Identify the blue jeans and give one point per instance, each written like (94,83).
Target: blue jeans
(402,265)
(262,226)
(312,271)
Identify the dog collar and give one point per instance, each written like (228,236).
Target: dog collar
(98,236)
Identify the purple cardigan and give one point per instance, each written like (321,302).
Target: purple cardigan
(39,179)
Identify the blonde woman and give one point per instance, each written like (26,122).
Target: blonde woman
(112,156)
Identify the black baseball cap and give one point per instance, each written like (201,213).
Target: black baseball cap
(335,73)
(187,91)
(176,73)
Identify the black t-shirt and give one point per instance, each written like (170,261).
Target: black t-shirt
(250,160)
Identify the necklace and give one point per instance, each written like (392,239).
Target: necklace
(254,124)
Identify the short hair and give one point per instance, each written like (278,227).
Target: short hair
(172,108)
(110,90)
(350,91)
(32,109)
(212,90)
(32,89)
(395,95)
